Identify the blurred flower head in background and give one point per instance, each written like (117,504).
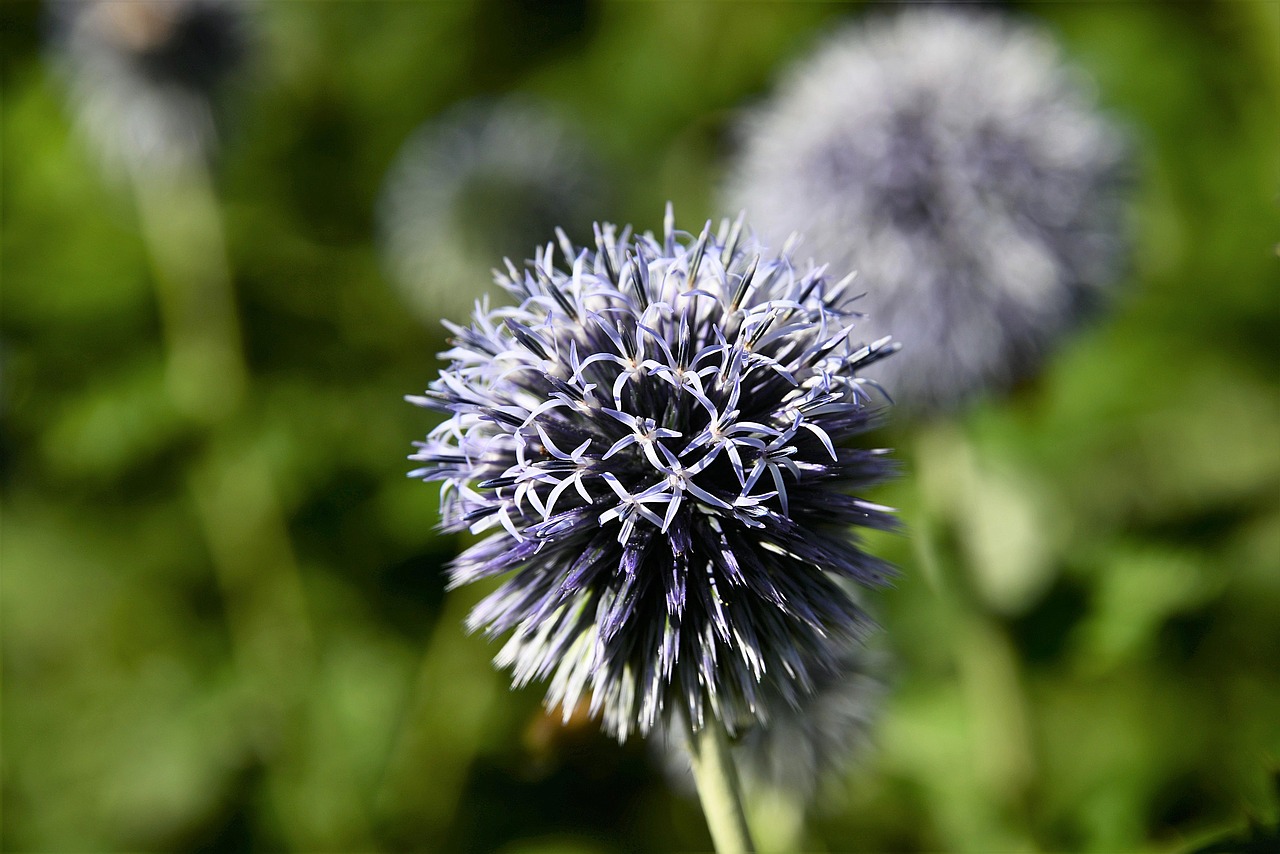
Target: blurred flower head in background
(957,163)
(661,437)
(828,732)
(144,75)
(483,181)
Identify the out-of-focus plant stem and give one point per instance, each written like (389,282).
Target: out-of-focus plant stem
(444,724)
(232,488)
(718,788)
(986,662)
(777,819)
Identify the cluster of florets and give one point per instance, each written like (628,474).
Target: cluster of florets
(659,439)
(958,163)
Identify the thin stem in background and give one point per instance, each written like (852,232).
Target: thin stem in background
(236,500)
(444,723)
(987,667)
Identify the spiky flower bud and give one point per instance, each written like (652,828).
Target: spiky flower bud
(955,161)
(144,74)
(661,439)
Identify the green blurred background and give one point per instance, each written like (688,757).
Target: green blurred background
(230,633)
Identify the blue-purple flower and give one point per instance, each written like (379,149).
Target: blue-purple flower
(660,439)
(958,163)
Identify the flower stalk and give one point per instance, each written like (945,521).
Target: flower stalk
(718,788)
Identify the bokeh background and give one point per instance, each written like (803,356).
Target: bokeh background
(225,626)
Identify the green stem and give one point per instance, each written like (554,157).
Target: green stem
(181,223)
(718,788)
(1004,759)
(235,496)
(443,737)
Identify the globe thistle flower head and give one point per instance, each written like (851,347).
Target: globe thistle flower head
(660,438)
(144,75)
(485,180)
(956,162)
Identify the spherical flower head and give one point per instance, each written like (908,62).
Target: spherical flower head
(957,163)
(661,439)
(143,75)
(484,180)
